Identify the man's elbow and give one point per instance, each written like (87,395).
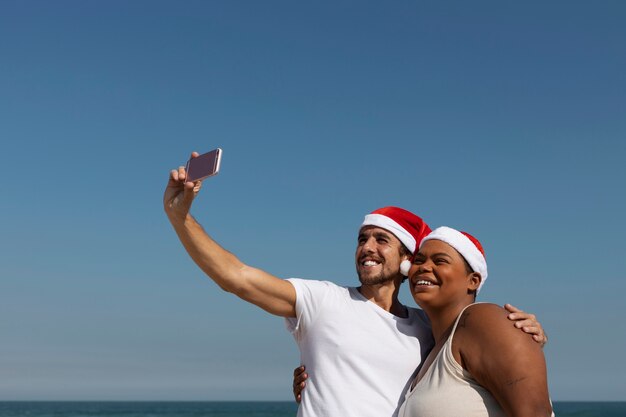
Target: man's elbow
(236,287)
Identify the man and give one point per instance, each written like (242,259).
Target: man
(361,345)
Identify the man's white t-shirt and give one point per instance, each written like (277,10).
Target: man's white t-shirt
(359,357)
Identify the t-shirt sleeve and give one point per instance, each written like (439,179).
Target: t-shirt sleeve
(310,296)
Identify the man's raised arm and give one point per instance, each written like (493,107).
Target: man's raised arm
(272,294)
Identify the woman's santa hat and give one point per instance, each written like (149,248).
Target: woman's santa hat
(467,245)
(409,228)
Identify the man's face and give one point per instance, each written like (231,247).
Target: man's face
(377,256)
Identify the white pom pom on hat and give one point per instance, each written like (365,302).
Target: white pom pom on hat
(404,267)
(467,245)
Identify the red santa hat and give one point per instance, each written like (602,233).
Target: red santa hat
(467,245)
(409,228)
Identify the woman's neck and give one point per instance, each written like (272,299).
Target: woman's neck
(442,318)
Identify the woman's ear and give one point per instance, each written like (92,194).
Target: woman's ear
(474,281)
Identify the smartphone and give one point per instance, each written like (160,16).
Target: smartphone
(203,166)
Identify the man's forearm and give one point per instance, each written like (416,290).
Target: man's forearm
(218,263)
(272,294)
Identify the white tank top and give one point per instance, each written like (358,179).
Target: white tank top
(447,390)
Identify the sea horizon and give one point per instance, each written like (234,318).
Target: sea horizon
(231,401)
(229,408)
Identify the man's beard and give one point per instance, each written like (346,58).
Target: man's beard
(379,278)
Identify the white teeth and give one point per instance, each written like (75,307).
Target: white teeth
(370,263)
(423,282)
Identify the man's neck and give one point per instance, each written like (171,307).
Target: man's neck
(385,296)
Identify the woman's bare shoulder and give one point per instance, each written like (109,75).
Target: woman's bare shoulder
(488,323)
(476,314)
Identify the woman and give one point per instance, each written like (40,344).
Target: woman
(481,365)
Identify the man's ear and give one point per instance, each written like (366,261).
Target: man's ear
(474,280)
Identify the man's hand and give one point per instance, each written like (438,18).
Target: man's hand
(179,194)
(299,378)
(528,323)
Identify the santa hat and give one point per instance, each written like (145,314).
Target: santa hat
(409,228)
(467,245)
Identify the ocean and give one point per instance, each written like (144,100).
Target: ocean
(232,409)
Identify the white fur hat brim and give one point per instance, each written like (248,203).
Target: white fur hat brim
(464,246)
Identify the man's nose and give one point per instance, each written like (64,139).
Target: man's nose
(369,245)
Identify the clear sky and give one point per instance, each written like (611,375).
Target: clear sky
(503,118)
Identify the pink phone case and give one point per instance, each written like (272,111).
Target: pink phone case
(203,166)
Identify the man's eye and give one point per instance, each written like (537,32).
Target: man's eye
(418,261)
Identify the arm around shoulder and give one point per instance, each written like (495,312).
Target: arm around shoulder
(504,360)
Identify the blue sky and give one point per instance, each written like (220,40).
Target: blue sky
(506,119)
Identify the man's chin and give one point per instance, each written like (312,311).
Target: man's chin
(373,279)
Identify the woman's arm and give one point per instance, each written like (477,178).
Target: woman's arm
(504,360)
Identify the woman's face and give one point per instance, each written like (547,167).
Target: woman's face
(439,275)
